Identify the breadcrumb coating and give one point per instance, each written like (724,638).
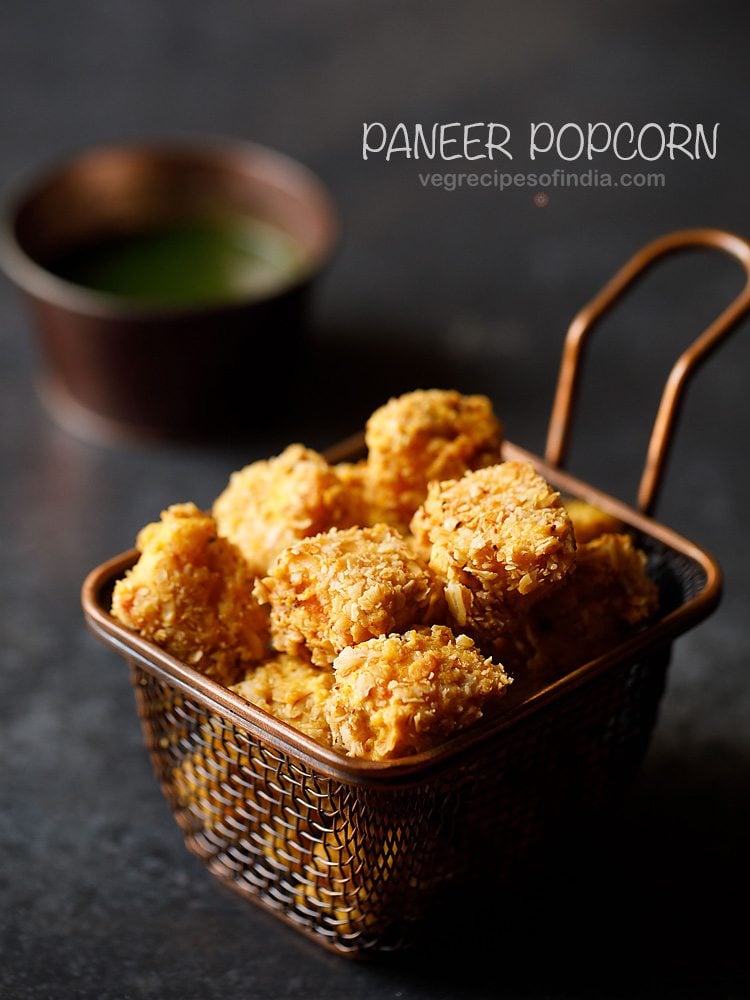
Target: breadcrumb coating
(191,593)
(425,435)
(343,587)
(289,688)
(598,606)
(500,529)
(589,521)
(400,694)
(274,502)
(499,538)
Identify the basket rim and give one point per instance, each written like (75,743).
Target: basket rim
(521,701)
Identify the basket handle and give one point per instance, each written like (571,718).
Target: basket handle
(558,435)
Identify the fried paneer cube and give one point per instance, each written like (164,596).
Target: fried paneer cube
(343,587)
(354,481)
(191,593)
(400,694)
(598,606)
(274,502)
(425,435)
(289,688)
(498,538)
(589,521)
(499,531)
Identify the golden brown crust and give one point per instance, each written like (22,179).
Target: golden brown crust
(191,593)
(289,688)
(590,522)
(355,484)
(426,435)
(499,538)
(503,526)
(401,694)
(274,502)
(603,600)
(343,587)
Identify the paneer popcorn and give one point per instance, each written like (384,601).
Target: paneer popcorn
(383,605)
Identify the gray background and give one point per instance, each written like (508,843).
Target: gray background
(472,289)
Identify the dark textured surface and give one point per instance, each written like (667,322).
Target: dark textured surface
(471,288)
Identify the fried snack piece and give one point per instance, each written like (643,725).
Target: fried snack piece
(499,538)
(598,606)
(191,593)
(400,694)
(342,587)
(503,528)
(428,434)
(292,690)
(274,502)
(354,481)
(589,521)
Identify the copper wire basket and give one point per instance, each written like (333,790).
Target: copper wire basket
(352,852)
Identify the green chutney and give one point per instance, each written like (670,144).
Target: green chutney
(193,263)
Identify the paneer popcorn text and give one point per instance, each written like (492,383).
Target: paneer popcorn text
(568,142)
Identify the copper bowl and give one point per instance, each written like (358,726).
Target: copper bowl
(111,367)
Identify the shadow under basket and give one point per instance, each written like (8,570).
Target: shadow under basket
(353,853)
